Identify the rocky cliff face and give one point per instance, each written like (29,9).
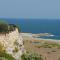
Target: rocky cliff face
(13,43)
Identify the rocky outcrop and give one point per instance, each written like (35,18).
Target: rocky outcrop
(13,42)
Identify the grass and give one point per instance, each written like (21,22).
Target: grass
(48,45)
(6,56)
(31,56)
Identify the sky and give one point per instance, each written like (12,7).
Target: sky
(42,9)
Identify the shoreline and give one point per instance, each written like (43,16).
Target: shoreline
(41,39)
(48,48)
(51,40)
(28,36)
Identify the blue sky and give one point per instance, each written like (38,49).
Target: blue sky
(48,9)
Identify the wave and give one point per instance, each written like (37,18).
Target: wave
(52,35)
(41,35)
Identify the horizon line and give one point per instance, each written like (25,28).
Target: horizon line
(33,18)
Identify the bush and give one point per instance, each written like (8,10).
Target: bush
(31,57)
(6,56)
(3,27)
(13,26)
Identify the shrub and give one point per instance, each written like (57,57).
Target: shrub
(31,57)
(6,56)
(3,27)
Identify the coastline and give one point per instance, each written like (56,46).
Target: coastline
(29,36)
(48,48)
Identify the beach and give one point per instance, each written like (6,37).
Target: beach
(48,48)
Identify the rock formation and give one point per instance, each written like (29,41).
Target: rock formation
(12,40)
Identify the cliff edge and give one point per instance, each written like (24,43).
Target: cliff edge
(11,40)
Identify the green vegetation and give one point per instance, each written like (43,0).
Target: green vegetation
(3,54)
(13,26)
(6,56)
(48,45)
(3,27)
(30,56)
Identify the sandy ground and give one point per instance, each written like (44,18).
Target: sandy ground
(47,53)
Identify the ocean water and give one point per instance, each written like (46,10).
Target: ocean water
(38,26)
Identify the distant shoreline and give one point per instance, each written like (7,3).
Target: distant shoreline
(48,48)
(28,36)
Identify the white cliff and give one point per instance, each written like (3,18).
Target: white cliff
(13,43)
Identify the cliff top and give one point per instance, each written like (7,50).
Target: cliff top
(5,27)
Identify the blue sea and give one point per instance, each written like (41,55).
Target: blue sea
(38,26)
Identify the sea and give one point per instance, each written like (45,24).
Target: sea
(37,26)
